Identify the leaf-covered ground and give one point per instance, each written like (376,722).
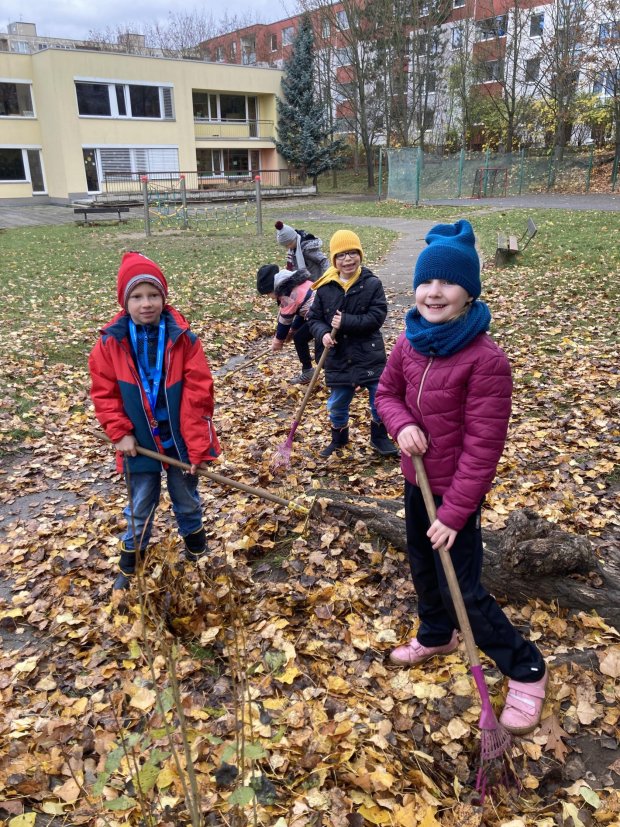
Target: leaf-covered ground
(290,713)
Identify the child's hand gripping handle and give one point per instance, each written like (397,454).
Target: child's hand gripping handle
(446,561)
(313,381)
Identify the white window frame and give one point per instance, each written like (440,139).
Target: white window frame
(456,39)
(114,113)
(131,148)
(343,20)
(28,179)
(33,113)
(534,15)
(273,42)
(288,35)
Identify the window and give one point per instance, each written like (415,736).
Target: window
(537,22)
(12,166)
(431,83)
(219,54)
(604,84)
(491,27)
(233,50)
(532,70)
(120,163)
(608,32)
(21,47)
(15,100)
(343,57)
(212,107)
(342,20)
(22,165)
(287,35)
(248,51)
(492,70)
(124,100)
(209,161)
(459,4)
(326,30)
(457,37)
(273,40)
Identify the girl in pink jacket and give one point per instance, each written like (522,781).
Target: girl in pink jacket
(446,394)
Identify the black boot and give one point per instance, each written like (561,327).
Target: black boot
(380,440)
(196,545)
(122,582)
(340,437)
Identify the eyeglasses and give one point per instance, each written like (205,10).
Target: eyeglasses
(347,254)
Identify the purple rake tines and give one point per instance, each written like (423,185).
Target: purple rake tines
(282,457)
(495,741)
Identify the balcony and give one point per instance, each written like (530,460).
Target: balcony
(233,130)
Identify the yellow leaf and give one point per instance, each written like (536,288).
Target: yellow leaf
(375,815)
(406,816)
(338,685)
(289,675)
(24,667)
(381,780)
(53,808)
(26,820)
(429,819)
(457,729)
(165,778)
(144,699)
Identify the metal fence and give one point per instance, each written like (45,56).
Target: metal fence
(120,183)
(414,175)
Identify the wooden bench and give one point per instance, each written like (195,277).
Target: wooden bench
(86,211)
(509,245)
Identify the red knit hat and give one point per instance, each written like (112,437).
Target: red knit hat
(136,268)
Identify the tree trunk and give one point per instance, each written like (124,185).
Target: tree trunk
(530,558)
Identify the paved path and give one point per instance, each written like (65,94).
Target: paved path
(32,216)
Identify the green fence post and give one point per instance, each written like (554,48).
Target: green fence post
(418,174)
(183,201)
(459,188)
(521,170)
(145,199)
(550,175)
(589,170)
(614,172)
(380,172)
(259,211)
(487,156)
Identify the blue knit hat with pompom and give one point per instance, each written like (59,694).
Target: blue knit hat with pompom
(451,256)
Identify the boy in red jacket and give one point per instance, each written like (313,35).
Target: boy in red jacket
(446,394)
(152,387)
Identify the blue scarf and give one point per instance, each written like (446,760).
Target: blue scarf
(444,339)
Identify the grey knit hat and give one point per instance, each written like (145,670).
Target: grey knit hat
(285,235)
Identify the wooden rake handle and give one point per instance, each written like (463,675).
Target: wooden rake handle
(261,493)
(446,562)
(246,364)
(315,378)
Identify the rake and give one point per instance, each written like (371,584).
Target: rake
(261,493)
(495,741)
(282,456)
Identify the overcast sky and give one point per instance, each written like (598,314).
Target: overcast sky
(75,18)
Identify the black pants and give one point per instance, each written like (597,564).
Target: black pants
(493,632)
(301,339)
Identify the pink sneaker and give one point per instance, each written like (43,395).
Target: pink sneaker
(414,653)
(524,705)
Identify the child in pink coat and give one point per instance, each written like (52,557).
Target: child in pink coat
(446,394)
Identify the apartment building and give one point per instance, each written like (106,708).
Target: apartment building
(478,33)
(73,118)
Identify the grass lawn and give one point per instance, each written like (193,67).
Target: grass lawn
(279,643)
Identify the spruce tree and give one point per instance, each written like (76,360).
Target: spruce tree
(305,140)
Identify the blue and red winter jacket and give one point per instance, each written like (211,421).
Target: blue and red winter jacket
(122,407)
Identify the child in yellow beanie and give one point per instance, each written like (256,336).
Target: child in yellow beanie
(350,299)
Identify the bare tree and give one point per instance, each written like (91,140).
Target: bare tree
(566,32)
(605,62)
(182,33)
(462,71)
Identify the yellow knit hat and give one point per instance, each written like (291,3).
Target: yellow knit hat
(342,241)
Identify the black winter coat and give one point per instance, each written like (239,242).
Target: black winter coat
(359,355)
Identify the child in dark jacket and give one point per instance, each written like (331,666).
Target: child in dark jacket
(152,387)
(304,250)
(350,298)
(294,294)
(446,394)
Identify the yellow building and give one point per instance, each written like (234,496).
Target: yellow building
(72,122)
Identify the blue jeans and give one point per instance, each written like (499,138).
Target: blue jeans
(340,400)
(145,491)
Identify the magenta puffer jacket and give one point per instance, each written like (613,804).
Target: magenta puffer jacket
(462,403)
